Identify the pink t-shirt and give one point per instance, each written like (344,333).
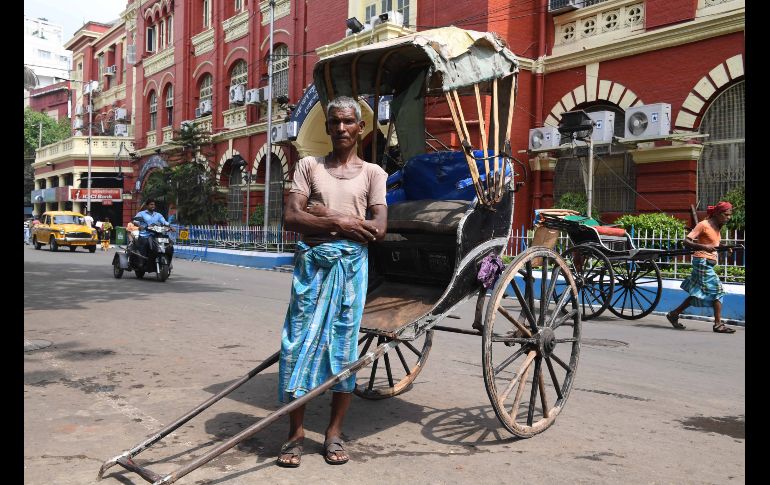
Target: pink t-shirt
(350,196)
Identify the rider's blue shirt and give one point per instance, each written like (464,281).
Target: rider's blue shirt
(148,219)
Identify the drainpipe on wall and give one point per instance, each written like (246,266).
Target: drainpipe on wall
(539,87)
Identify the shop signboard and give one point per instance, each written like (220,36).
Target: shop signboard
(97,195)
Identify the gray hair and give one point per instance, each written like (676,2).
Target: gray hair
(344,102)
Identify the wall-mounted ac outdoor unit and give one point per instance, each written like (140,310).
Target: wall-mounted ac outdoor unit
(561,6)
(544,138)
(121,114)
(392,16)
(131,54)
(292,130)
(252,96)
(264,93)
(604,126)
(237,93)
(204,107)
(648,121)
(110,70)
(278,133)
(120,129)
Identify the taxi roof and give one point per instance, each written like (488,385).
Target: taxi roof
(62,213)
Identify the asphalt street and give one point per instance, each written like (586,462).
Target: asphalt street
(650,405)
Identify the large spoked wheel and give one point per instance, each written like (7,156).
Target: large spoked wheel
(593,276)
(638,286)
(530,344)
(393,373)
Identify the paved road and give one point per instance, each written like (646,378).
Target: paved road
(650,405)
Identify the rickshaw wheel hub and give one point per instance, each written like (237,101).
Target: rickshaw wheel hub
(546,341)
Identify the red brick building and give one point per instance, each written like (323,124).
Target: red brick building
(53,100)
(175,57)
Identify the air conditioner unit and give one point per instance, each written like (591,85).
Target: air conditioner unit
(204,107)
(648,121)
(121,114)
(292,130)
(561,6)
(111,70)
(252,96)
(120,129)
(237,93)
(78,124)
(604,126)
(79,110)
(392,16)
(547,137)
(278,133)
(264,93)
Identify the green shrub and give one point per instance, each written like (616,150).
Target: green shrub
(737,197)
(658,222)
(257,218)
(576,201)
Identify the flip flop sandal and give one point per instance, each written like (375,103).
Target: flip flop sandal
(674,320)
(334,445)
(291,449)
(721,328)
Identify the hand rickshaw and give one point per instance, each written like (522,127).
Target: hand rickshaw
(429,262)
(611,273)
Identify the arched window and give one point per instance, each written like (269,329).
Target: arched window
(170,105)
(239,74)
(206,91)
(614,171)
(722,164)
(280,70)
(153,110)
(275,217)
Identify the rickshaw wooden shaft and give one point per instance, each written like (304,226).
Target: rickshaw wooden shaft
(125,461)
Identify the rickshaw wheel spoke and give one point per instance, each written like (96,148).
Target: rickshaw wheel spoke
(637,301)
(396,379)
(593,276)
(524,400)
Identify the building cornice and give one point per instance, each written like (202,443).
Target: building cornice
(667,154)
(693,31)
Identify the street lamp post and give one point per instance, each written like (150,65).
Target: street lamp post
(269,155)
(90,123)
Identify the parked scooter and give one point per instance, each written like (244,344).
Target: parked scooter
(160,250)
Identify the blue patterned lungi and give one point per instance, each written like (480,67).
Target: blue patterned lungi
(320,333)
(703,283)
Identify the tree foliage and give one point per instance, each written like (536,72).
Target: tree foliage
(53,131)
(189,182)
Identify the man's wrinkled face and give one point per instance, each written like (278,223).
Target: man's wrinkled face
(343,127)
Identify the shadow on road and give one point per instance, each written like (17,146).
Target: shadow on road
(53,286)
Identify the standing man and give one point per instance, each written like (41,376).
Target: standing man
(146,218)
(89,220)
(703,284)
(106,233)
(338,205)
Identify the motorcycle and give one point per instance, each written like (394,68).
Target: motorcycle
(160,250)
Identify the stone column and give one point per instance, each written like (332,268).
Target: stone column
(667,178)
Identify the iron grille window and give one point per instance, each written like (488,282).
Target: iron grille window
(239,74)
(153,110)
(280,70)
(206,91)
(170,105)
(722,164)
(235,196)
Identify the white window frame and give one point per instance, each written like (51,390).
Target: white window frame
(207,89)
(370,11)
(238,6)
(162,34)
(170,31)
(153,110)
(206,14)
(169,105)
(151,39)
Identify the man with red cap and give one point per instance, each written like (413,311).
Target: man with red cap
(703,284)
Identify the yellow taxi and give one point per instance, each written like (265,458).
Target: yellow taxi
(64,228)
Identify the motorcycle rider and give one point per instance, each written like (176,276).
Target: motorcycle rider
(146,218)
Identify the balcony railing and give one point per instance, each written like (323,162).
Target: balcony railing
(104,147)
(235,117)
(152,139)
(168,133)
